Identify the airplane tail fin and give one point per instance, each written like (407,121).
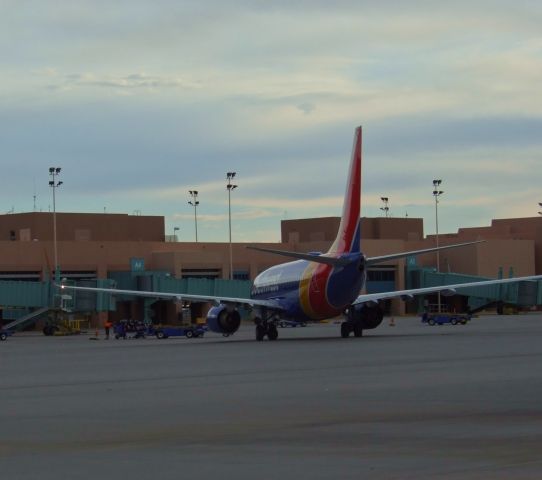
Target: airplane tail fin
(349,235)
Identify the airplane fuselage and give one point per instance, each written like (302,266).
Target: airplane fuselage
(311,291)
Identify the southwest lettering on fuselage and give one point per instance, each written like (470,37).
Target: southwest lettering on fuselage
(256,291)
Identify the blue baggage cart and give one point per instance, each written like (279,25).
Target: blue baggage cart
(188,332)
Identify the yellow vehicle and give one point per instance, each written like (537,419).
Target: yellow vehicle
(63,327)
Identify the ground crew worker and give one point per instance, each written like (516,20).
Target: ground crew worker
(107,326)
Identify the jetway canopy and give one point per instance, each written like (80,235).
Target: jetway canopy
(520,293)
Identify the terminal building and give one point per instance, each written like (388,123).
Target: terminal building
(132,251)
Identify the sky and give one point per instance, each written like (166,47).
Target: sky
(141,101)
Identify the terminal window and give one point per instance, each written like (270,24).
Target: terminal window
(209,273)
(380,275)
(240,275)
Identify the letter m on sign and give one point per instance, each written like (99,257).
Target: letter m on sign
(137,264)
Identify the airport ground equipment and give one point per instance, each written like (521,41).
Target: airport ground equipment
(62,327)
(444,318)
(188,332)
(4,334)
(139,329)
(119,330)
(26,320)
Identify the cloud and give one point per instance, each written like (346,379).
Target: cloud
(130,81)
(306,107)
(139,104)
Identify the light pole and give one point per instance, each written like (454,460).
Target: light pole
(175,230)
(54,184)
(230,186)
(437,193)
(385,208)
(194,202)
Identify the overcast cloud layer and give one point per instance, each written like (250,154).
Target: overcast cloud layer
(139,102)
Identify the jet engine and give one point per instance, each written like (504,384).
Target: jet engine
(368,315)
(223,319)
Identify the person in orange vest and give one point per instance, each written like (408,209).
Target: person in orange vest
(107,326)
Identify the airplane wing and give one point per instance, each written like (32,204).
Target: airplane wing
(446,289)
(384,258)
(272,304)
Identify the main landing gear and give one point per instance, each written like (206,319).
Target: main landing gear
(266,327)
(351,326)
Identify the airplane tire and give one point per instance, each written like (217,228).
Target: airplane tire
(260,332)
(272,332)
(358,331)
(345,330)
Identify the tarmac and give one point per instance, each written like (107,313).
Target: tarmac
(404,402)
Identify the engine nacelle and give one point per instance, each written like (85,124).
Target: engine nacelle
(370,316)
(223,319)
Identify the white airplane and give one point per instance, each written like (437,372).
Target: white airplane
(315,286)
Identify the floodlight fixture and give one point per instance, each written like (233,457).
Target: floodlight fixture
(194,202)
(230,186)
(54,172)
(385,208)
(437,193)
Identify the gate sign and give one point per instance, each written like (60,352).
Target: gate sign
(137,264)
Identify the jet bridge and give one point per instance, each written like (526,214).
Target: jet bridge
(521,294)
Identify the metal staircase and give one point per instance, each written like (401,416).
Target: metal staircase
(26,319)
